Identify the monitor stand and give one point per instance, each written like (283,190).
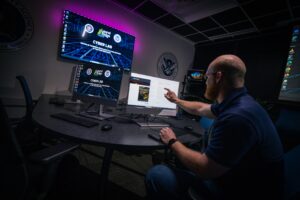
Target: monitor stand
(152,124)
(146,122)
(100,115)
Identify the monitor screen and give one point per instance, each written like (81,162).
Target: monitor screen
(98,83)
(148,91)
(86,40)
(195,75)
(290,87)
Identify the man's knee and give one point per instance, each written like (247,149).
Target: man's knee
(158,173)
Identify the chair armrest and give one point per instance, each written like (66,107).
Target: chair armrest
(52,153)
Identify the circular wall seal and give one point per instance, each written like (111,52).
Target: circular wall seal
(16,25)
(167,66)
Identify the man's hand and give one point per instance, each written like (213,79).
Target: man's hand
(171,96)
(166,134)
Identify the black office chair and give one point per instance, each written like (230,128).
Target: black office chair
(288,127)
(25,129)
(28,97)
(26,176)
(28,133)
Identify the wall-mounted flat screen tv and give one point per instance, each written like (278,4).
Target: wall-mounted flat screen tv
(85,40)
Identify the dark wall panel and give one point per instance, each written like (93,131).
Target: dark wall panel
(265,57)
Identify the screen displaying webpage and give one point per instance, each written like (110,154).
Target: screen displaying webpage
(148,91)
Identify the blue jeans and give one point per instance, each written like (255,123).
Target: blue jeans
(164,182)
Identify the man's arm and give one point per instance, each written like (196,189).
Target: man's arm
(192,107)
(195,161)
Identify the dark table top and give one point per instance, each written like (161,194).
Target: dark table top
(122,135)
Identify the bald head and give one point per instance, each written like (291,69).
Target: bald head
(232,67)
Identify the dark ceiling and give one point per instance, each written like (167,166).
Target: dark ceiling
(200,21)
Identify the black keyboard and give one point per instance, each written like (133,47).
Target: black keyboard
(73,119)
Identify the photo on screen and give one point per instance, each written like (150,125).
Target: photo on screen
(143,94)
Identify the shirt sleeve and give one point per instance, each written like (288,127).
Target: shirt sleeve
(214,109)
(231,139)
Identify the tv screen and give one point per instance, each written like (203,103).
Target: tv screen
(86,40)
(290,87)
(148,91)
(195,75)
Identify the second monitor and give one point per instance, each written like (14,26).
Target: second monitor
(146,94)
(98,84)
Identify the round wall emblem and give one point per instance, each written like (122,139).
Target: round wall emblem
(16,25)
(167,66)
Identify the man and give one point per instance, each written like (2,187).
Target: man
(244,156)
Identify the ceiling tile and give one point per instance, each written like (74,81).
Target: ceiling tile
(239,26)
(296,12)
(197,37)
(204,24)
(244,1)
(150,10)
(169,21)
(214,32)
(271,20)
(184,30)
(295,3)
(230,16)
(260,8)
(129,3)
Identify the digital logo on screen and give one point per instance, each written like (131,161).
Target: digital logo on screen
(117,38)
(88,28)
(89,71)
(98,72)
(107,73)
(103,33)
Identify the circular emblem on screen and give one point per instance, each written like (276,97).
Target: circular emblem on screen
(107,73)
(167,66)
(89,71)
(117,38)
(17,27)
(88,28)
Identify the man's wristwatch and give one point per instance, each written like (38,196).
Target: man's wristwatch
(171,142)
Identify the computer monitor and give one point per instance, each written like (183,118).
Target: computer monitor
(86,40)
(196,75)
(146,94)
(290,87)
(98,84)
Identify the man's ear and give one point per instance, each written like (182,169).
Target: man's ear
(219,76)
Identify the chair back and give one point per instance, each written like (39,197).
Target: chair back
(14,177)
(205,123)
(27,95)
(292,174)
(288,122)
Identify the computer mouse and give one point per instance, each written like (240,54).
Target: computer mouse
(106,127)
(189,128)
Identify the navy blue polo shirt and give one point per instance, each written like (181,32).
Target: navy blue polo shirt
(244,139)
